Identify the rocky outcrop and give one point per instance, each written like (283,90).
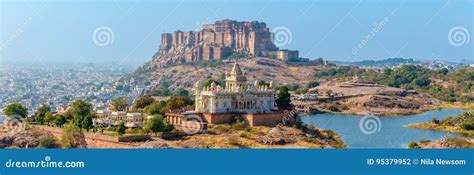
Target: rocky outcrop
(24,139)
(213,41)
(193,143)
(155,144)
(6,141)
(281,135)
(391,102)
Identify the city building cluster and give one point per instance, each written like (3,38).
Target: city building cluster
(58,86)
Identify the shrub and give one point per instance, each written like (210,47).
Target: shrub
(73,137)
(435,121)
(233,140)
(312,84)
(121,129)
(222,129)
(413,145)
(48,142)
(333,108)
(467,125)
(244,135)
(248,129)
(239,125)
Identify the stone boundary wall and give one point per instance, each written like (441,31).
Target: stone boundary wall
(253,119)
(134,138)
(268,119)
(224,118)
(97,136)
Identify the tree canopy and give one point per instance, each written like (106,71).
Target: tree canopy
(156,108)
(283,100)
(121,128)
(209,82)
(16,109)
(156,124)
(144,102)
(119,104)
(80,108)
(41,112)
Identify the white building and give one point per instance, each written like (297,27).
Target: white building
(134,120)
(236,96)
(131,120)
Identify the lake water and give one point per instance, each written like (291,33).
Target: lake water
(387,132)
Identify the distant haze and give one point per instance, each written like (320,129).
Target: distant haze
(128,32)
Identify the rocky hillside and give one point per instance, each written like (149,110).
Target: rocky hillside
(184,76)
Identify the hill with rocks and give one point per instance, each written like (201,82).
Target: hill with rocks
(185,75)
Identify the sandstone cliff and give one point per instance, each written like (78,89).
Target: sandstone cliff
(213,41)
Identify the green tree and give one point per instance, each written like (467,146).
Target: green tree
(209,82)
(263,83)
(178,102)
(78,120)
(222,79)
(16,109)
(312,84)
(407,76)
(121,129)
(48,117)
(162,91)
(422,81)
(156,108)
(40,113)
(283,100)
(180,92)
(119,104)
(144,102)
(80,108)
(87,123)
(60,120)
(156,124)
(443,71)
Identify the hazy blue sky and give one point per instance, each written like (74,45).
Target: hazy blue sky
(337,30)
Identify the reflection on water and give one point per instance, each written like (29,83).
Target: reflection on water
(392,134)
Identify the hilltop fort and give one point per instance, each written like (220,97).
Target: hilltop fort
(214,41)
